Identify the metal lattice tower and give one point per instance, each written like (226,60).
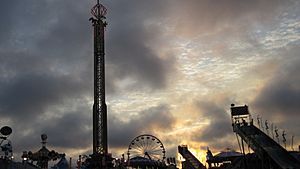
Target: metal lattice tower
(99,108)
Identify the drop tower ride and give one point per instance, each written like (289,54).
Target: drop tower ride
(100,155)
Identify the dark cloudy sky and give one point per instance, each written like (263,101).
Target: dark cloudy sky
(173,69)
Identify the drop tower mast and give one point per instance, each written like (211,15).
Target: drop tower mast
(100,157)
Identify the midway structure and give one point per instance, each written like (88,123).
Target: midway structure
(99,107)
(100,157)
(271,154)
(191,161)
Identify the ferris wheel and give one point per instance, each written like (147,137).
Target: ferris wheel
(146,146)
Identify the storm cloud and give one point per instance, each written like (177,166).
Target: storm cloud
(278,100)
(209,17)
(219,126)
(148,121)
